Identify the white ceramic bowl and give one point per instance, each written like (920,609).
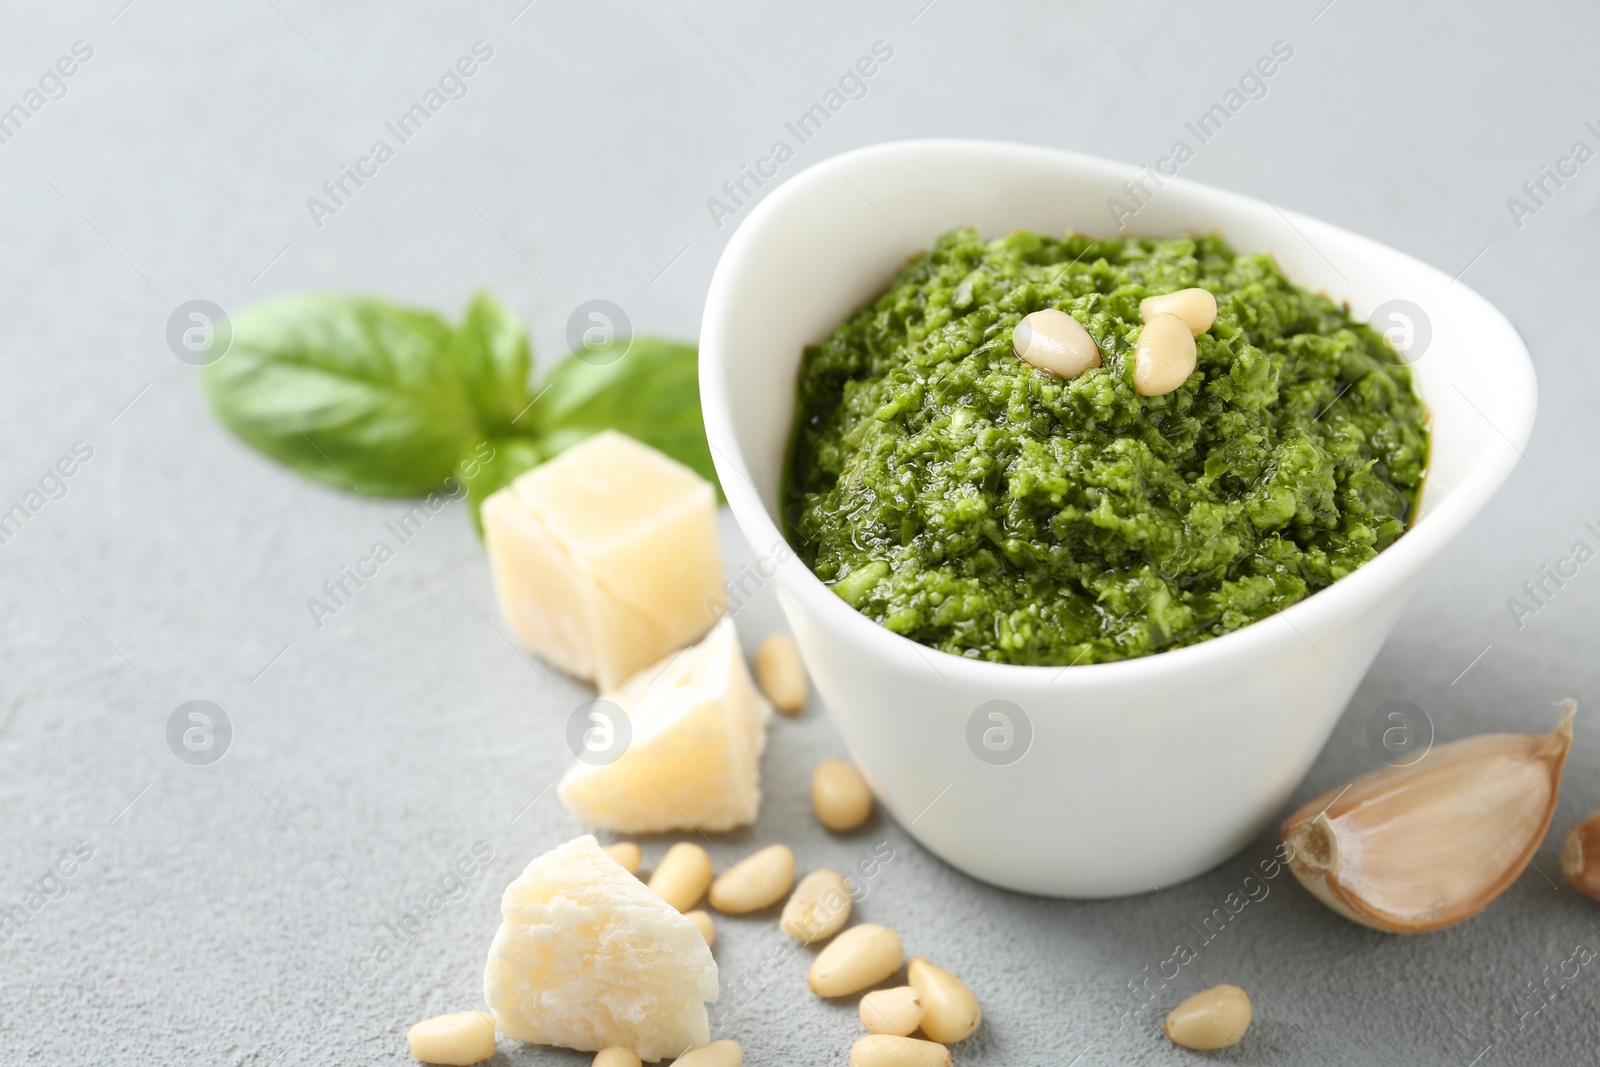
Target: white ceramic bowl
(1139,773)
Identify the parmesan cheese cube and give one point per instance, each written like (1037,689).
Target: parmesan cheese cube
(587,957)
(698,727)
(605,558)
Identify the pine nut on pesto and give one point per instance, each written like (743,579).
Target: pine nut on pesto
(960,497)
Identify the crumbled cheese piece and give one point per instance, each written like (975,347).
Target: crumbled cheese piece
(698,727)
(587,957)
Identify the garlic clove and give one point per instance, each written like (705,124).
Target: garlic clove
(1421,847)
(1580,858)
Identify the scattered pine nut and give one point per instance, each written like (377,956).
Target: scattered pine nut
(840,795)
(616,1057)
(1216,1018)
(883,1050)
(716,1054)
(758,881)
(682,876)
(950,1012)
(626,853)
(896,1012)
(818,908)
(780,673)
(857,959)
(457,1039)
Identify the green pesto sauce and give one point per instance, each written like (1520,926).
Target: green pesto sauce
(957,496)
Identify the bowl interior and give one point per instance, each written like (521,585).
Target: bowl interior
(832,237)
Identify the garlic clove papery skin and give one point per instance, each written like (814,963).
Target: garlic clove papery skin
(1580,857)
(1418,848)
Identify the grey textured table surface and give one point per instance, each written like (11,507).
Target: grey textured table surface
(228,914)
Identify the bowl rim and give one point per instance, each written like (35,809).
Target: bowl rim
(1406,557)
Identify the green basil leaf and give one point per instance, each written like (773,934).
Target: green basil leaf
(490,353)
(651,393)
(361,394)
(358,393)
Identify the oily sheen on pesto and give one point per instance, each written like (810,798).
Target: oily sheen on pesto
(972,503)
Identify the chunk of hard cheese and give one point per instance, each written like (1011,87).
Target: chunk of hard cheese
(605,558)
(698,728)
(587,957)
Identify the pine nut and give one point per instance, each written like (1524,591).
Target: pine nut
(702,922)
(716,1054)
(1216,1018)
(895,1011)
(818,909)
(758,881)
(882,1050)
(1056,343)
(780,673)
(1196,307)
(1163,357)
(626,853)
(857,959)
(616,1057)
(456,1039)
(950,1012)
(840,795)
(682,876)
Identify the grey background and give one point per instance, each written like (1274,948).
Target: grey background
(221,902)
